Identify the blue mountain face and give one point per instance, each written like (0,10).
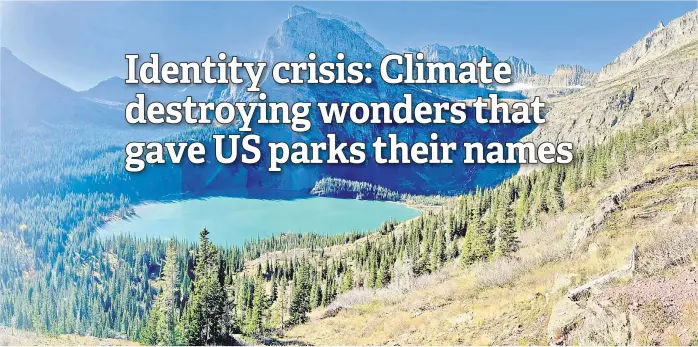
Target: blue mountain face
(30,99)
(115,90)
(62,139)
(308,31)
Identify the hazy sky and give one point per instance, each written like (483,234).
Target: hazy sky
(82,43)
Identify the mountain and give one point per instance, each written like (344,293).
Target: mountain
(351,24)
(115,90)
(54,138)
(457,54)
(564,76)
(660,80)
(470,53)
(326,35)
(615,266)
(525,81)
(31,99)
(520,68)
(566,79)
(663,39)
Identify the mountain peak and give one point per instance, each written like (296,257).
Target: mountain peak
(520,68)
(300,11)
(4,51)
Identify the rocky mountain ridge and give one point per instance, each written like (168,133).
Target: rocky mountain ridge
(656,77)
(566,79)
(31,99)
(663,39)
(564,76)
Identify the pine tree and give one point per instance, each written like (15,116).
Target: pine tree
(438,251)
(162,320)
(300,297)
(255,321)
(315,293)
(556,200)
(149,334)
(347,282)
(168,298)
(475,244)
(207,297)
(384,271)
(505,238)
(372,269)
(282,302)
(329,292)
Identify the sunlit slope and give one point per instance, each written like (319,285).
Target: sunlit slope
(523,300)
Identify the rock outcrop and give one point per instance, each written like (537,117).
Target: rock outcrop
(521,70)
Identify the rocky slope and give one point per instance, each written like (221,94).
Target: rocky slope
(616,267)
(655,86)
(679,32)
(639,227)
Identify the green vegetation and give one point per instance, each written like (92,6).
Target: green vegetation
(58,277)
(346,189)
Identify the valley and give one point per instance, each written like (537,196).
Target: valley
(601,250)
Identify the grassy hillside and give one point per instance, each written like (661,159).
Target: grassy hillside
(14,337)
(651,296)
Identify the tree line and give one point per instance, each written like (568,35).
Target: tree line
(57,276)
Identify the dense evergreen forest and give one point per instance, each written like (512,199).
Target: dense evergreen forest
(59,277)
(346,189)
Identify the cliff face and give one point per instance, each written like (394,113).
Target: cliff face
(564,76)
(663,39)
(520,68)
(566,79)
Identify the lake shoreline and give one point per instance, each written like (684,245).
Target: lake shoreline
(233,221)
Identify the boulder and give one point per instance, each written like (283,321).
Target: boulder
(565,316)
(604,324)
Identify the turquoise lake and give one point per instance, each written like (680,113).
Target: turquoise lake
(231,221)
